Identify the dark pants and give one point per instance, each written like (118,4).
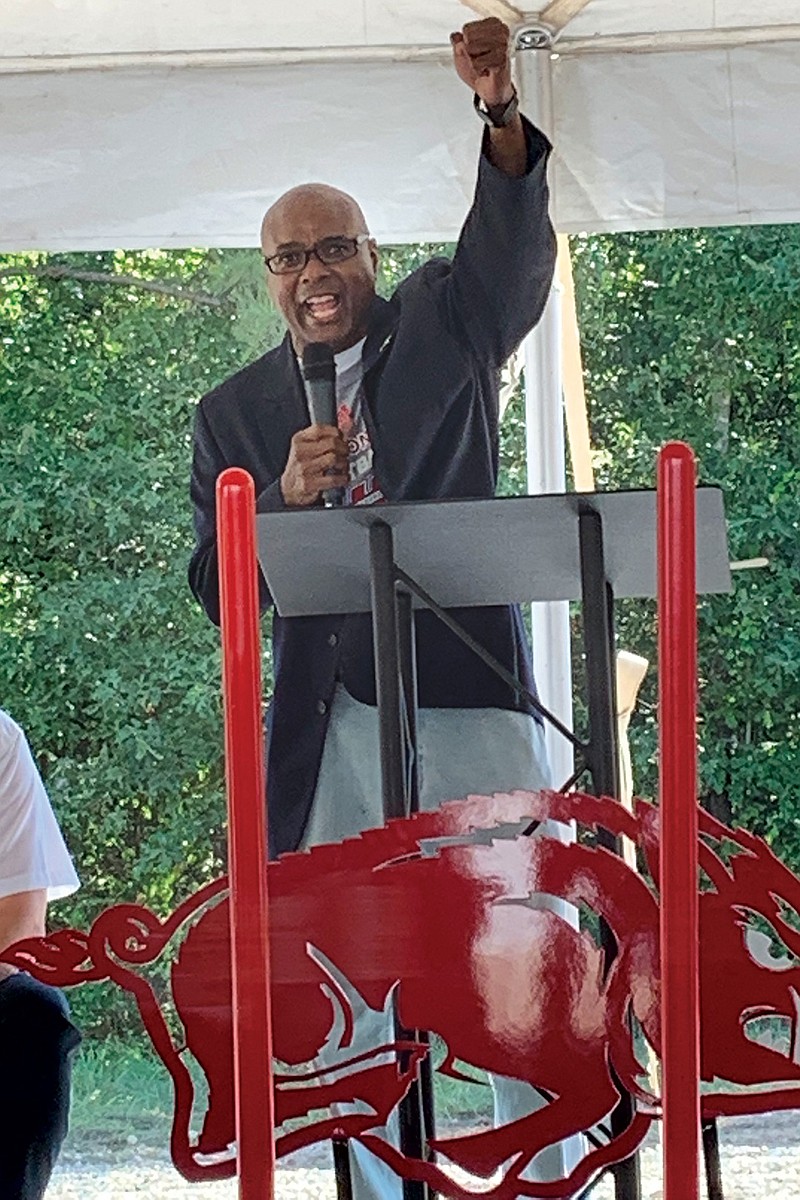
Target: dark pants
(37,1042)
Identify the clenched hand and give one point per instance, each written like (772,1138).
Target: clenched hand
(317,461)
(482,60)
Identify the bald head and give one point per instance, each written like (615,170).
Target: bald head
(317,197)
(321,301)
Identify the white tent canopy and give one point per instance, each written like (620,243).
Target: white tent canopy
(175,122)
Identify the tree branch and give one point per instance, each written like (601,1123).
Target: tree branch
(174,289)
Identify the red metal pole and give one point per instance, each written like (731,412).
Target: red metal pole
(247,838)
(677,671)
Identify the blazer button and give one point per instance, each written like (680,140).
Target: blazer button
(322,707)
(333,639)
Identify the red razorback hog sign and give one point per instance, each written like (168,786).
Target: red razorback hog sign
(452,915)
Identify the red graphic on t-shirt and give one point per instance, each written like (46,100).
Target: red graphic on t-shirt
(363,487)
(344,418)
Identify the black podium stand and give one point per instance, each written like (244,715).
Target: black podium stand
(389,559)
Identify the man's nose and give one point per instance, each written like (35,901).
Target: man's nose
(314,270)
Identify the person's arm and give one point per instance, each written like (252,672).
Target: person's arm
(482,61)
(21,916)
(208,463)
(503,267)
(33,856)
(317,460)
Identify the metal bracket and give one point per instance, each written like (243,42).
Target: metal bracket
(533,37)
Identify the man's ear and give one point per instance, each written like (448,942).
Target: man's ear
(374,253)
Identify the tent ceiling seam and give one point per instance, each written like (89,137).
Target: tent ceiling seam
(180,59)
(682,40)
(558,13)
(496,8)
(678,40)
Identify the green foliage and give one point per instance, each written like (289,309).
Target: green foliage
(121,1094)
(105,658)
(696,335)
(113,669)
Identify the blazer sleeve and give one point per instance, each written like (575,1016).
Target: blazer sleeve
(503,266)
(208,463)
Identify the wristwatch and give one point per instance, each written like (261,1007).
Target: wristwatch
(499,115)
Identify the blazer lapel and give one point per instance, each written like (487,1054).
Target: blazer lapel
(280,408)
(279,405)
(383,319)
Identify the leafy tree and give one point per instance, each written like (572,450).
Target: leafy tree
(105,658)
(112,668)
(696,335)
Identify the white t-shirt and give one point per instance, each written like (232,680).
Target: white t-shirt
(33,854)
(363,487)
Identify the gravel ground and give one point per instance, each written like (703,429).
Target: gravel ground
(760,1161)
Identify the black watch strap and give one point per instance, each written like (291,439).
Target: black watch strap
(499,115)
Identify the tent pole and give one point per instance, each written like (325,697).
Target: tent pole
(545,444)
(544,426)
(546,472)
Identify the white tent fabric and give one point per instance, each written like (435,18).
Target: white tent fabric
(175,122)
(655,141)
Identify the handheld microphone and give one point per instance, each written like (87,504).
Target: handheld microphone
(319,375)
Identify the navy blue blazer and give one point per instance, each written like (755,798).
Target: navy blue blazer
(432,362)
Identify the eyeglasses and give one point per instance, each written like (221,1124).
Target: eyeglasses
(330,250)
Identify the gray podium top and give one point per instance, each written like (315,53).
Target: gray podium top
(477,552)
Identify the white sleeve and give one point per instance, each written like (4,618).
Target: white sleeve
(33,854)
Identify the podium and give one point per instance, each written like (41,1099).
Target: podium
(394,558)
(594,547)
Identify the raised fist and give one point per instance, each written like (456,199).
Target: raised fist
(482,59)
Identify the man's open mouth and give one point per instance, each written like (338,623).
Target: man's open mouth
(324,307)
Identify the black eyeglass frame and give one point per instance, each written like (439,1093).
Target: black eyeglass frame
(354,242)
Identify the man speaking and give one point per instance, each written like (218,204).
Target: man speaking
(406,410)
(416,381)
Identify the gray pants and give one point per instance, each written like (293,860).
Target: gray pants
(460,752)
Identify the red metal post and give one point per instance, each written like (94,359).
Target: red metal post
(247,841)
(677,672)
